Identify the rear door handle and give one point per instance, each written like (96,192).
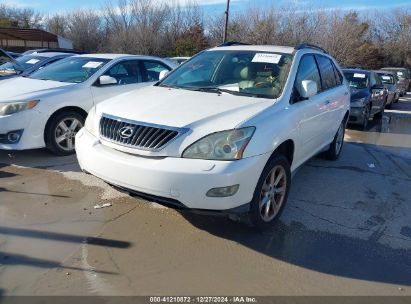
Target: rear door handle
(346,93)
(327,102)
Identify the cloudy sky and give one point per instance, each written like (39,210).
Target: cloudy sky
(212,6)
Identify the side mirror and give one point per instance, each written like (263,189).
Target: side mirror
(163,74)
(107,80)
(308,89)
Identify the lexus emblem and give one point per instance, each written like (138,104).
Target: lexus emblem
(126,132)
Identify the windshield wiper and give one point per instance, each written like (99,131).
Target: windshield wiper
(212,90)
(168,86)
(220,90)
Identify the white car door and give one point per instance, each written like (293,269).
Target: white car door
(310,113)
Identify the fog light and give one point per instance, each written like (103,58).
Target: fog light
(13,137)
(223,191)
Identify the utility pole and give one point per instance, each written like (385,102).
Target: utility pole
(227,11)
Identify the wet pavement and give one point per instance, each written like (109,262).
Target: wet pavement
(346,230)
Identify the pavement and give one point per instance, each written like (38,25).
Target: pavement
(346,230)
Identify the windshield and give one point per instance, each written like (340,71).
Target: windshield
(248,73)
(71,69)
(387,79)
(357,80)
(24,62)
(401,74)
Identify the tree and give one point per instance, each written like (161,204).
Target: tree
(19,17)
(191,42)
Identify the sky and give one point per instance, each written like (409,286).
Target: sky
(215,6)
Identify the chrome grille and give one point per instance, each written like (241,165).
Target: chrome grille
(136,134)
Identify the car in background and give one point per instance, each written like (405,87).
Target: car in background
(49,106)
(390,81)
(27,64)
(223,132)
(178,60)
(55,50)
(368,96)
(404,77)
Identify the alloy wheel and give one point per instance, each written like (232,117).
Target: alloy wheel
(66,131)
(273,193)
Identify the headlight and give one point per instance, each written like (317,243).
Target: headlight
(359,102)
(8,108)
(225,145)
(90,124)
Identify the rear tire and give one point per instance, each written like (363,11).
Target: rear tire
(334,151)
(61,131)
(271,193)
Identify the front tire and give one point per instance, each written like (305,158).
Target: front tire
(380,114)
(389,105)
(61,131)
(366,116)
(334,151)
(271,193)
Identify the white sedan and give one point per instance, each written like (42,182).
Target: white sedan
(48,108)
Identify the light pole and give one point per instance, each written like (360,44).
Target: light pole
(227,11)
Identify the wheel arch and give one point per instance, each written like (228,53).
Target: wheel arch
(346,117)
(286,148)
(78,110)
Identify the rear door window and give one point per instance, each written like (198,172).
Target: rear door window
(338,76)
(328,79)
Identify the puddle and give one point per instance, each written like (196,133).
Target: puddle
(391,131)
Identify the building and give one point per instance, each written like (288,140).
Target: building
(20,40)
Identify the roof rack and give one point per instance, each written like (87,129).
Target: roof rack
(231,43)
(310,46)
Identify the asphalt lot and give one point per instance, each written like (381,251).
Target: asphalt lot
(346,230)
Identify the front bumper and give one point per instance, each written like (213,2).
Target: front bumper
(181,180)
(29,124)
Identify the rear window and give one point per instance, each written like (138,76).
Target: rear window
(387,79)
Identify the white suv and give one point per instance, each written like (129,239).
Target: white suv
(222,132)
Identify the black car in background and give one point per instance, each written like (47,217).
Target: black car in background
(368,96)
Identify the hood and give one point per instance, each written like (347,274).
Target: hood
(359,93)
(18,88)
(184,108)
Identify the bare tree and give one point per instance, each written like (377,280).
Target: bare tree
(19,17)
(168,28)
